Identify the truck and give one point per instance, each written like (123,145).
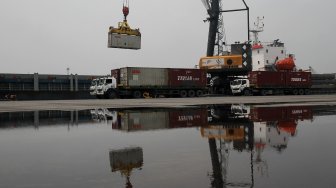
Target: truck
(145,82)
(273,82)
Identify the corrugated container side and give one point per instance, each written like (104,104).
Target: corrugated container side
(143,77)
(267,79)
(116,40)
(187,78)
(116,74)
(137,121)
(298,79)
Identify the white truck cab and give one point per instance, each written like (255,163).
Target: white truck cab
(93,87)
(240,86)
(105,84)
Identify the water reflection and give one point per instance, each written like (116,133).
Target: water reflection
(226,130)
(125,160)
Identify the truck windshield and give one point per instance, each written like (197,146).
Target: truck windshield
(236,82)
(94,82)
(101,81)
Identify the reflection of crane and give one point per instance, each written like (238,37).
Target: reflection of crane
(230,132)
(125,160)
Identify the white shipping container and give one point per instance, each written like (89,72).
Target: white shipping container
(143,77)
(116,40)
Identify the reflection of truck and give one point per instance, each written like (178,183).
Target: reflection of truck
(273,82)
(139,82)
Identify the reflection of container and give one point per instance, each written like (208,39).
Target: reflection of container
(126,159)
(261,114)
(130,120)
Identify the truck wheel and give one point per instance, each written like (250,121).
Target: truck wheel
(191,93)
(247,92)
(307,91)
(199,93)
(137,94)
(183,93)
(263,92)
(112,95)
(295,92)
(301,92)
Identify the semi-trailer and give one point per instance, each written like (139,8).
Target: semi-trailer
(273,82)
(144,82)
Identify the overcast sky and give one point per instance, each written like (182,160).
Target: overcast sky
(47,36)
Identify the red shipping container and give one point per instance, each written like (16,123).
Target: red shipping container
(298,79)
(267,79)
(187,78)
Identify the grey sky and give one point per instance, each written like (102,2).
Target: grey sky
(47,36)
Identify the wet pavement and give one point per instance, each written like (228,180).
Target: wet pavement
(232,145)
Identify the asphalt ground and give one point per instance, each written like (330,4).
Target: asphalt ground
(68,105)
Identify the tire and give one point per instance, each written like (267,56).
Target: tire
(301,92)
(137,94)
(247,92)
(307,91)
(199,93)
(263,92)
(191,93)
(295,92)
(183,93)
(112,95)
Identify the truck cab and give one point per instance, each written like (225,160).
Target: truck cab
(240,86)
(93,87)
(105,84)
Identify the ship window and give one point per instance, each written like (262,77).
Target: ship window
(244,82)
(267,61)
(258,62)
(266,50)
(109,81)
(282,51)
(258,51)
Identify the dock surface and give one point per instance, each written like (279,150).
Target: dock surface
(12,106)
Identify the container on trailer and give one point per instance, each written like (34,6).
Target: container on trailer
(298,79)
(187,78)
(143,77)
(267,79)
(188,118)
(116,74)
(116,40)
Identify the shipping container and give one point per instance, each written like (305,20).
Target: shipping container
(116,40)
(143,77)
(187,78)
(267,79)
(298,79)
(146,82)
